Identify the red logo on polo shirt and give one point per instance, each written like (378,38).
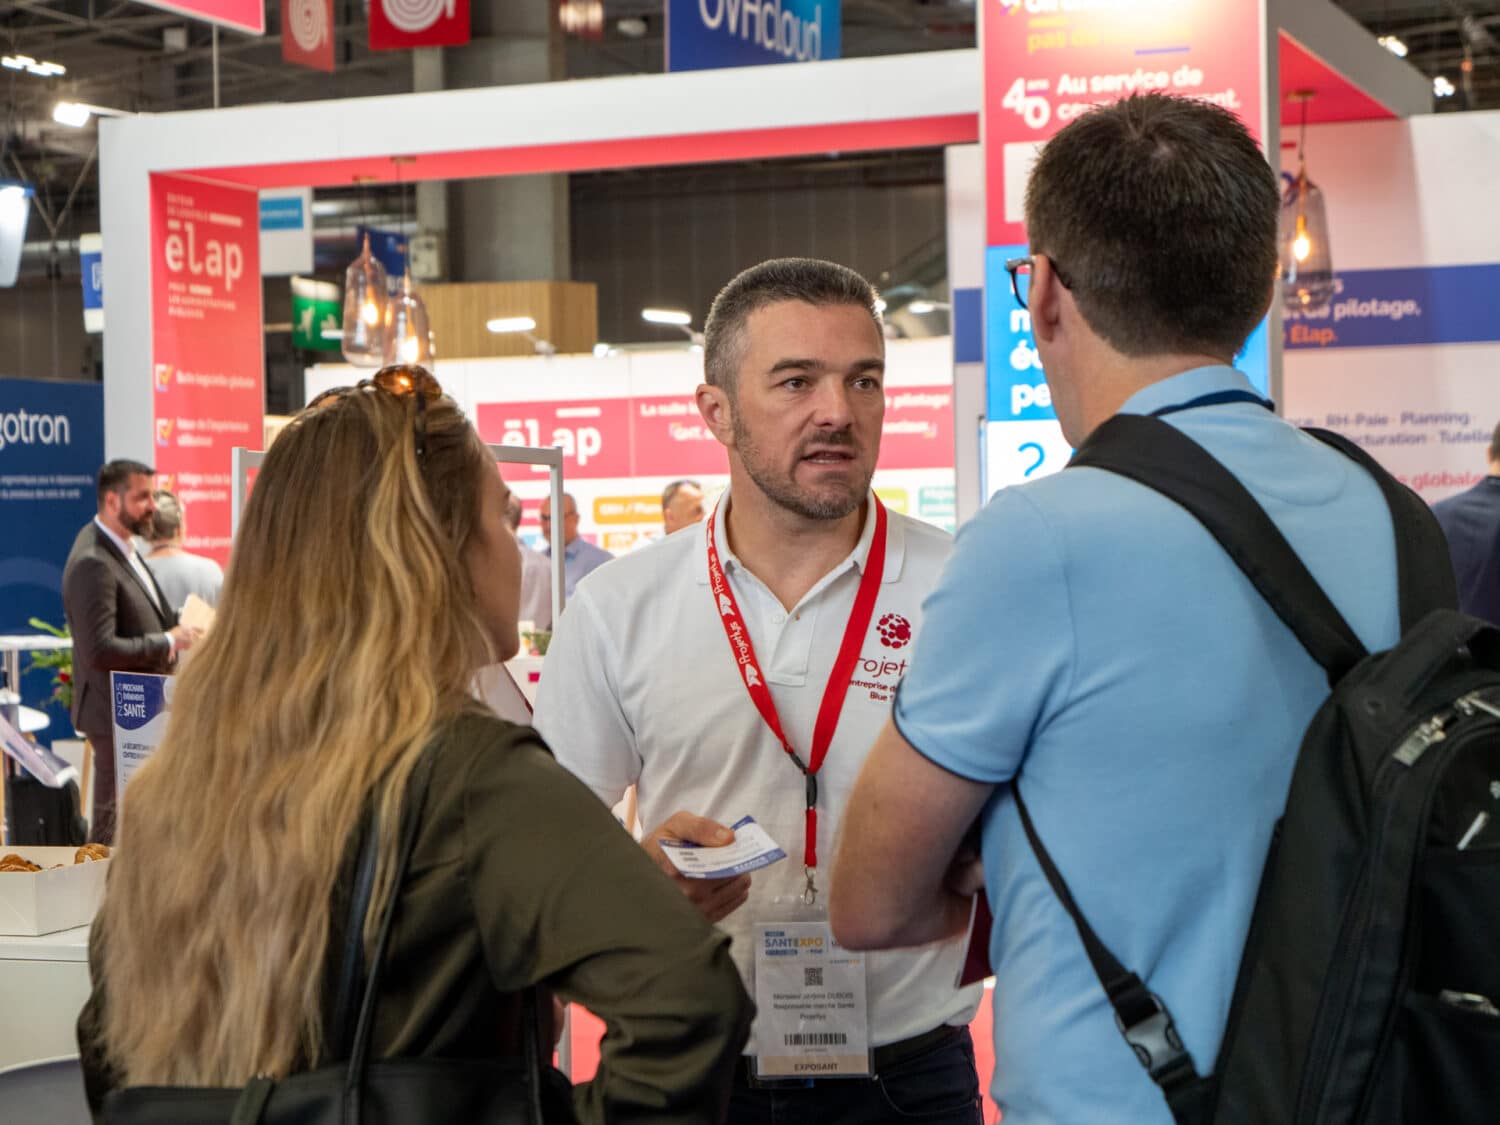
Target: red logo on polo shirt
(894,630)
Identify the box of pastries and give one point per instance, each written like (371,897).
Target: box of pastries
(43,890)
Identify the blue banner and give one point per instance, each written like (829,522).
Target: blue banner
(282,212)
(92,265)
(51,446)
(707,34)
(388,247)
(1384,308)
(1017,386)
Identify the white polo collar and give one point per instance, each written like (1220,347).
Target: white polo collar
(895,545)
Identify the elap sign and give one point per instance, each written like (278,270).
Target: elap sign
(706,34)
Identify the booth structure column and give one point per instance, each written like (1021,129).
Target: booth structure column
(513,228)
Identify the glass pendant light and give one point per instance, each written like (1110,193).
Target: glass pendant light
(408,333)
(365,297)
(1306,258)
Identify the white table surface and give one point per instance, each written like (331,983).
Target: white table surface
(65,945)
(44,983)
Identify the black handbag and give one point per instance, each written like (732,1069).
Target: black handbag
(400,1091)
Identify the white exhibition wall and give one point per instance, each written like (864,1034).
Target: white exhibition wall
(628,426)
(1407,359)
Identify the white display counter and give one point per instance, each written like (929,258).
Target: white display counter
(44,983)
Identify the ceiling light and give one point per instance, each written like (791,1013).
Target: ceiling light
(1394,45)
(632,27)
(1307,270)
(408,332)
(667,316)
(71,113)
(1442,88)
(366,292)
(511,324)
(32,66)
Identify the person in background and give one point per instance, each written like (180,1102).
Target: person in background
(536,575)
(178,571)
(1471,521)
(698,668)
(119,617)
(374,572)
(1093,646)
(580,557)
(681,505)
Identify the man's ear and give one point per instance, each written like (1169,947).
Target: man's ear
(717,409)
(1044,299)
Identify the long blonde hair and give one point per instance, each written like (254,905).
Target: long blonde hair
(346,634)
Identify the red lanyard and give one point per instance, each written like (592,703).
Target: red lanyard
(743,650)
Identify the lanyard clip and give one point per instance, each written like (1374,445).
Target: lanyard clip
(812,790)
(810,891)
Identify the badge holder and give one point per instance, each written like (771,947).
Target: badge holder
(810,992)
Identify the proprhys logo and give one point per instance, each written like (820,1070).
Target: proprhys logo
(894,630)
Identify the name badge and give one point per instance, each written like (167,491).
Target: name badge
(813,1017)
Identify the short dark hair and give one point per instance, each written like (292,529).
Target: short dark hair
(114,476)
(166,522)
(809,280)
(671,491)
(1162,213)
(1495,445)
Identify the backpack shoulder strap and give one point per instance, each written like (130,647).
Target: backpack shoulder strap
(1161,457)
(1424,575)
(1140,1014)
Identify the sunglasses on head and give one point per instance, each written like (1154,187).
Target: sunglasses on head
(403,380)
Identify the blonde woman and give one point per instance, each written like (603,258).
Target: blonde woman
(374,572)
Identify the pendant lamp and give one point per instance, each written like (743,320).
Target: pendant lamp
(1306,258)
(365,301)
(408,333)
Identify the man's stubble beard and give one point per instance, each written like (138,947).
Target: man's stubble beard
(784,492)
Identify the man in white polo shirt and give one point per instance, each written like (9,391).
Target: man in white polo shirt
(745,670)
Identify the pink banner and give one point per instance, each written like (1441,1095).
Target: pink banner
(207,346)
(664,435)
(242,15)
(1047,62)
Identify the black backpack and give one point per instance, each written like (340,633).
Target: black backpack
(1369,986)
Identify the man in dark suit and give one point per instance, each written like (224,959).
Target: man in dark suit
(119,618)
(1471,520)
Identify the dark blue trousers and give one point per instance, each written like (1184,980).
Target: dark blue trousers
(936,1086)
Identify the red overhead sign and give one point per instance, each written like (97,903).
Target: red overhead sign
(397,25)
(248,16)
(307,33)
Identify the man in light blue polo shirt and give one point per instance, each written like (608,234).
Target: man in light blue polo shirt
(1092,644)
(580,557)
